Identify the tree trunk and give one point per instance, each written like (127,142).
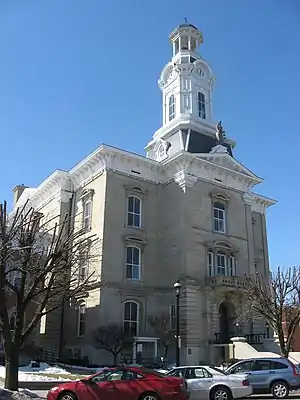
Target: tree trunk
(115,359)
(12,369)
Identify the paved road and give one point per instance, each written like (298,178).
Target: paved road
(293,395)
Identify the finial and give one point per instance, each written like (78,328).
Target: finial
(186,21)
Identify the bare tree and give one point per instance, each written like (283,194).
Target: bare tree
(39,263)
(276,299)
(113,339)
(161,324)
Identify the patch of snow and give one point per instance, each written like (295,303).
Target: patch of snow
(28,373)
(22,394)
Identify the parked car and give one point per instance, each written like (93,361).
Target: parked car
(277,376)
(122,383)
(205,382)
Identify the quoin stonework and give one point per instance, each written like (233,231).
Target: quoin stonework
(186,210)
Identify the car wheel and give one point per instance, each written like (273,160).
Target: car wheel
(67,396)
(280,390)
(149,396)
(220,393)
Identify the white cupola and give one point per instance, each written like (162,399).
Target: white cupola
(186,83)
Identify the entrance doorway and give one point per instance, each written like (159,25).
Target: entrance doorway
(226,321)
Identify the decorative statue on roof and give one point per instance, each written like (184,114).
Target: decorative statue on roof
(220,133)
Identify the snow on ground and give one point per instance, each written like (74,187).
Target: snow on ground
(28,373)
(22,394)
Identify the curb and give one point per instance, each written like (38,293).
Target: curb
(39,385)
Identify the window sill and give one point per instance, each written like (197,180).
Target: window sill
(135,227)
(219,232)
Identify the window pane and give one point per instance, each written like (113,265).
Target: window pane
(130,219)
(137,204)
(126,326)
(133,328)
(129,271)
(135,272)
(134,308)
(136,256)
(136,220)
(127,311)
(129,255)
(130,204)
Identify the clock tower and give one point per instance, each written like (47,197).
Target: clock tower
(187,84)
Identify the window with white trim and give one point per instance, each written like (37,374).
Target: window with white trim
(201,105)
(134,212)
(210,263)
(131,317)
(221,263)
(133,262)
(83,267)
(172,316)
(219,217)
(171,107)
(81,320)
(231,266)
(87,214)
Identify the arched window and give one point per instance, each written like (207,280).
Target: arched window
(221,265)
(219,217)
(134,212)
(81,320)
(133,262)
(131,317)
(201,105)
(171,107)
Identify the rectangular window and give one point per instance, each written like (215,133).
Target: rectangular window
(172,317)
(171,107)
(133,262)
(210,264)
(134,212)
(220,264)
(81,320)
(201,105)
(231,266)
(219,217)
(87,214)
(83,268)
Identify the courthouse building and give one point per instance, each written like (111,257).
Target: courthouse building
(185,210)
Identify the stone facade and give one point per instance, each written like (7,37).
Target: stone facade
(184,212)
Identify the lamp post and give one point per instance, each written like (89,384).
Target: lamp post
(177,288)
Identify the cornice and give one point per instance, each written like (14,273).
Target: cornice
(260,203)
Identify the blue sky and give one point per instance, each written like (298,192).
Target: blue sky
(77,73)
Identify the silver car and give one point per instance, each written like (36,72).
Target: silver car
(210,383)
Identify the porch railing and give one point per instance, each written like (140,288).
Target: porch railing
(252,338)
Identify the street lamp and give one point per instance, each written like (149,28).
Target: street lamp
(177,288)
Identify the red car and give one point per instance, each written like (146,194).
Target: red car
(124,383)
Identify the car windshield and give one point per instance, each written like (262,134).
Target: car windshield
(153,372)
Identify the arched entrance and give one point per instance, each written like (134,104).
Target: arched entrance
(226,320)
